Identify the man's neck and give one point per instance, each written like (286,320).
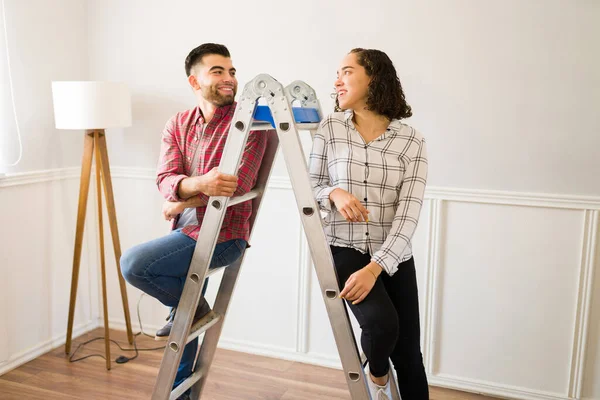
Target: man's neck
(208,109)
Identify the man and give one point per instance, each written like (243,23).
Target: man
(191,150)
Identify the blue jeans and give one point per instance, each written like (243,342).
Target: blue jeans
(159,268)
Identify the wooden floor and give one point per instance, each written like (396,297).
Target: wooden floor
(233,376)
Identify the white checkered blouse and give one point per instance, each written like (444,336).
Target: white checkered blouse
(387,175)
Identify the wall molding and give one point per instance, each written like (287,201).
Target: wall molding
(432,273)
(284,353)
(304,293)
(513,198)
(440,380)
(584,298)
(44,347)
(437,199)
(434,265)
(48,175)
(4,345)
(492,388)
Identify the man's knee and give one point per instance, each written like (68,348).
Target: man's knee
(131,265)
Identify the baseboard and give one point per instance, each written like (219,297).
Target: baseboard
(445,381)
(44,347)
(119,324)
(492,389)
(435,194)
(283,353)
(291,355)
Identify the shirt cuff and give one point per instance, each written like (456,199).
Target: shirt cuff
(176,180)
(387,262)
(323,199)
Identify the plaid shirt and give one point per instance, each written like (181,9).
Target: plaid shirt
(187,133)
(387,175)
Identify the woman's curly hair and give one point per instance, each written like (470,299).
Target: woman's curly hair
(385,95)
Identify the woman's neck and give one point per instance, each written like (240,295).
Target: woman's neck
(369,124)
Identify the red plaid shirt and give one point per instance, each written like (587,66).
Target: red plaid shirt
(181,137)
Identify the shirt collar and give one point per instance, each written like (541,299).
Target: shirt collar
(393,128)
(220,113)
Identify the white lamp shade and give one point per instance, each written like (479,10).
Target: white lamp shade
(91,105)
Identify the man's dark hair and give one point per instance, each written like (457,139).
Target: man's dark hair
(196,55)
(385,95)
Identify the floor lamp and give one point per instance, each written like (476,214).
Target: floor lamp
(93,107)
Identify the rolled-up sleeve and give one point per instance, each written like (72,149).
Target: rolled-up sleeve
(251,161)
(170,170)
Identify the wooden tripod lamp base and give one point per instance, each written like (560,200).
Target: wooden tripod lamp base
(88,105)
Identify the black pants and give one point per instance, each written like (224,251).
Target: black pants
(389,319)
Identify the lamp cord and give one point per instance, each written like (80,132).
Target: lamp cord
(121,359)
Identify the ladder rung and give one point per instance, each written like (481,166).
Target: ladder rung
(185,385)
(240,199)
(300,114)
(307,127)
(265,126)
(199,329)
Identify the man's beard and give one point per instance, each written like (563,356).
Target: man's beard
(211,94)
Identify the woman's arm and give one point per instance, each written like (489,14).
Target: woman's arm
(319,174)
(407,213)
(329,196)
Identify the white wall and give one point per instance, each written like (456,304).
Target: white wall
(506,101)
(505,94)
(506,278)
(36,263)
(506,298)
(47,41)
(504,91)
(509,320)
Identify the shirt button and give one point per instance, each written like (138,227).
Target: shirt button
(365,199)
(364,181)
(366,147)
(367,233)
(188,158)
(366,164)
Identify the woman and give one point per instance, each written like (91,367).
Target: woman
(368,172)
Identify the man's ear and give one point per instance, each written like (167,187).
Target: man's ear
(193,82)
